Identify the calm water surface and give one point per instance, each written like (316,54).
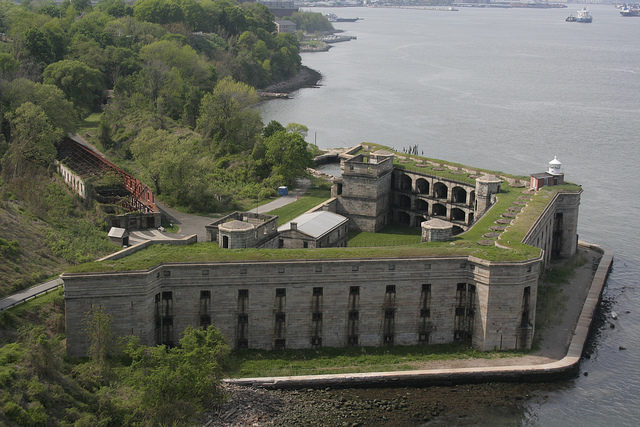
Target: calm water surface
(508,89)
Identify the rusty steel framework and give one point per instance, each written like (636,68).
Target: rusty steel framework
(88,163)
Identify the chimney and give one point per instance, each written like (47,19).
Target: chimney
(293,225)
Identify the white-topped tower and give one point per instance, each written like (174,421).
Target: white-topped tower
(555,167)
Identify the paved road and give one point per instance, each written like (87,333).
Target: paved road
(19,297)
(302,185)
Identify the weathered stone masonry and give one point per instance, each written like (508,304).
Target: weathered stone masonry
(156,305)
(338,302)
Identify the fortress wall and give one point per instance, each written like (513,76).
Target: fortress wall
(129,299)
(500,288)
(558,222)
(569,204)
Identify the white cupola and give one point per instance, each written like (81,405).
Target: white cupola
(555,166)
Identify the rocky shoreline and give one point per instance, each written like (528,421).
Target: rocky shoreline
(443,405)
(306,77)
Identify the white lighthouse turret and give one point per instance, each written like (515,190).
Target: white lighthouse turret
(555,167)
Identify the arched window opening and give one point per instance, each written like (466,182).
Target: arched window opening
(422,206)
(404,202)
(459,195)
(405,183)
(440,190)
(457,214)
(404,218)
(423,186)
(438,210)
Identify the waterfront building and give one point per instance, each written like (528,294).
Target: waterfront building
(481,291)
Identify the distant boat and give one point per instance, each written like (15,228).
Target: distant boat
(630,10)
(582,16)
(332,17)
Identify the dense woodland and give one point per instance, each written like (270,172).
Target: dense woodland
(172,85)
(180,77)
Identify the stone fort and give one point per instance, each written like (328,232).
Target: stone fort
(402,297)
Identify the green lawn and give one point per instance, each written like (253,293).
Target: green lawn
(391,235)
(312,198)
(328,360)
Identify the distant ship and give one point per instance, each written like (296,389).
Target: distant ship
(332,17)
(630,10)
(583,16)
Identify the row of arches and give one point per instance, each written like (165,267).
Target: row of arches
(435,209)
(438,190)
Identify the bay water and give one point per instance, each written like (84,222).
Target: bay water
(508,89)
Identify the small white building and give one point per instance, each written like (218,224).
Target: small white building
(321,229)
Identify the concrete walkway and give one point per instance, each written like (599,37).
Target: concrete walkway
(26,294)
(562,345)
(302,185)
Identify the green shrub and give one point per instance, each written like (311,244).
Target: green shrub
(9,248)
(15,412)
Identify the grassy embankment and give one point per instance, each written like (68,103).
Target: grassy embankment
(326,360)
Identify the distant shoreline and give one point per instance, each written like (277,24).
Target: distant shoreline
(306,77)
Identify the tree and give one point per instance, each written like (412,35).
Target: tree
(177,384)
(81,84)
(115,8)
(32,143)
(288,155)
(184,58)
(38,45)
(49,97)
(298,128)
(120,62)
(8,65)
(158,11)
(97,326)
(226,116)
(272,127)
(43,354)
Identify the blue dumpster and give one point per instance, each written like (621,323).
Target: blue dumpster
(283,191)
